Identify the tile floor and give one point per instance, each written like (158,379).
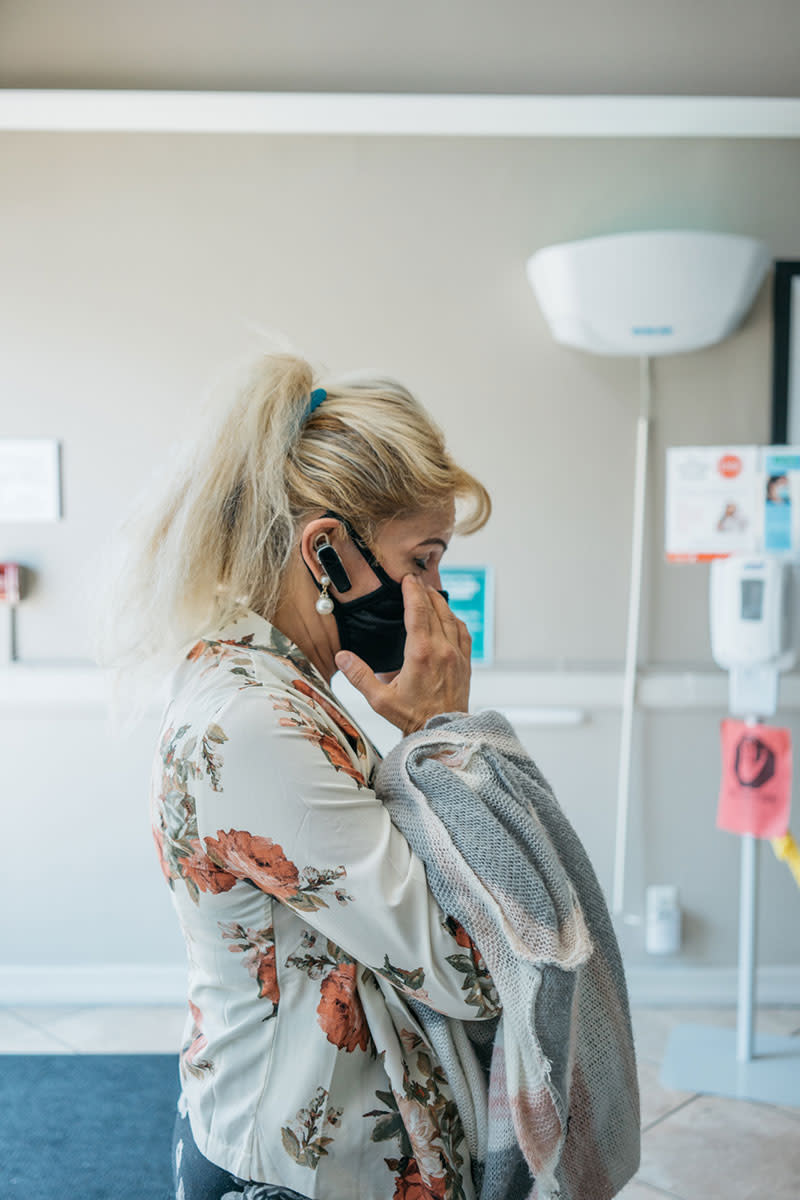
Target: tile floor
(694,1146)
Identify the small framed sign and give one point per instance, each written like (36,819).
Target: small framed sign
(471,592)
(30,480)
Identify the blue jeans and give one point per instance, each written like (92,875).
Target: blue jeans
(198,1179)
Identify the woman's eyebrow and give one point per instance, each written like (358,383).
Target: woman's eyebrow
(434,541)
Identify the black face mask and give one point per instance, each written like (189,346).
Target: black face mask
(373,626)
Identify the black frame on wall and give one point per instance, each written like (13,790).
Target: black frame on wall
(786,331)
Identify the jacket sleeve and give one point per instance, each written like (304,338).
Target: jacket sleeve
(284,808)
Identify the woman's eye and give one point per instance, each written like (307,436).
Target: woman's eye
(422,563)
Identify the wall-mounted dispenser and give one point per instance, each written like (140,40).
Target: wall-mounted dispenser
(647,293)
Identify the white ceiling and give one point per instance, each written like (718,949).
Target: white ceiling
(579,47)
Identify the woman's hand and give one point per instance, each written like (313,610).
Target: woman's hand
(436,669)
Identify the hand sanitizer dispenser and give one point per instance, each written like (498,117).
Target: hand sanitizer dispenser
(751,629)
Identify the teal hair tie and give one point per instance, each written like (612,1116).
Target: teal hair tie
(317,396)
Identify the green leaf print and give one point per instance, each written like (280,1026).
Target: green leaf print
(317,879)
(290,1143)
(424,1063)
(478,983)
(174,817)
(212,759)
(389,1124)
(425,1123)
(305,902)
(317,966)
(410,981)
(305,1142)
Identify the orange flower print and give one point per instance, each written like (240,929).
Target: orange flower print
(338,756)
(257,947)
(411,1185)
(333,712)
(334,751)
(259,859)
(158,836)
(459,933)
(199,1040)
(340,1013)
(204,873)
(267,977)
(190,1062)
(196,651)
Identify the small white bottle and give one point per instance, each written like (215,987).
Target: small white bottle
(662,920)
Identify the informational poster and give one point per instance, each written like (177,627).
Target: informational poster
(756,789)
(471,593)
(712,506)
(724,500)
(781,500)
(30,484)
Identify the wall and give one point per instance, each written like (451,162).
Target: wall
(717,48)
(135,269)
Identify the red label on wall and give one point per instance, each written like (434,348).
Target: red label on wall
(9,583)
(756,791)
(730,465)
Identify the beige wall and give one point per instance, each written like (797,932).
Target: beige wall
(133,270)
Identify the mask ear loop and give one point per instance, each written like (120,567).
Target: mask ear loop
(366,553)
(363,549)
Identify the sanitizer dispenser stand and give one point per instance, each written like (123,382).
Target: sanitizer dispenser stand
(751,637)
(644,295)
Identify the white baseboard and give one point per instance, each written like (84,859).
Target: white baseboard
(651,986)
(648,986)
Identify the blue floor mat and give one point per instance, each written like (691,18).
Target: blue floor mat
(87,1126)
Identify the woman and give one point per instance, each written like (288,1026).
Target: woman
(306,536)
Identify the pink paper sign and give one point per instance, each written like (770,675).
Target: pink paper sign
(756,791)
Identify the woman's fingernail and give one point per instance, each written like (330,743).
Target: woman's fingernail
(344,661)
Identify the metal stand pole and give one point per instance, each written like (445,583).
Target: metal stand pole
(631,651)
(747,948)
(7,634)
(748,899)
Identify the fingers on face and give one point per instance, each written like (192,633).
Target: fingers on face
(418,612)
(464,640)
(448,621)
(427,614)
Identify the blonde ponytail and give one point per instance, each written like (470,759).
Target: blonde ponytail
(220,539)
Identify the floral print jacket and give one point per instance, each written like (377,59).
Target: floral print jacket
(308,922)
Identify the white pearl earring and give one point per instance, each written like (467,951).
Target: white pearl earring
(324,604)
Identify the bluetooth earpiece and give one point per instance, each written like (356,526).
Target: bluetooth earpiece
(331,564)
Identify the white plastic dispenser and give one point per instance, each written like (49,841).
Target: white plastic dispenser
(647,293)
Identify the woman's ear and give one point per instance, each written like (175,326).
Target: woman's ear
(308,537)
(320,555)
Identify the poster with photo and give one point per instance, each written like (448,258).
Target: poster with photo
(713,504)
(781,500)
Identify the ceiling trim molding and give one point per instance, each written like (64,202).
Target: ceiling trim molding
(74,111)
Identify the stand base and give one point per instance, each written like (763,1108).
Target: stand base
(701,1058)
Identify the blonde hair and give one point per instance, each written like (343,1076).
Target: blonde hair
(221,538)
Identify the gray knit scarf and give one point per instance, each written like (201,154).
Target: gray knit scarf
(547,1093)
